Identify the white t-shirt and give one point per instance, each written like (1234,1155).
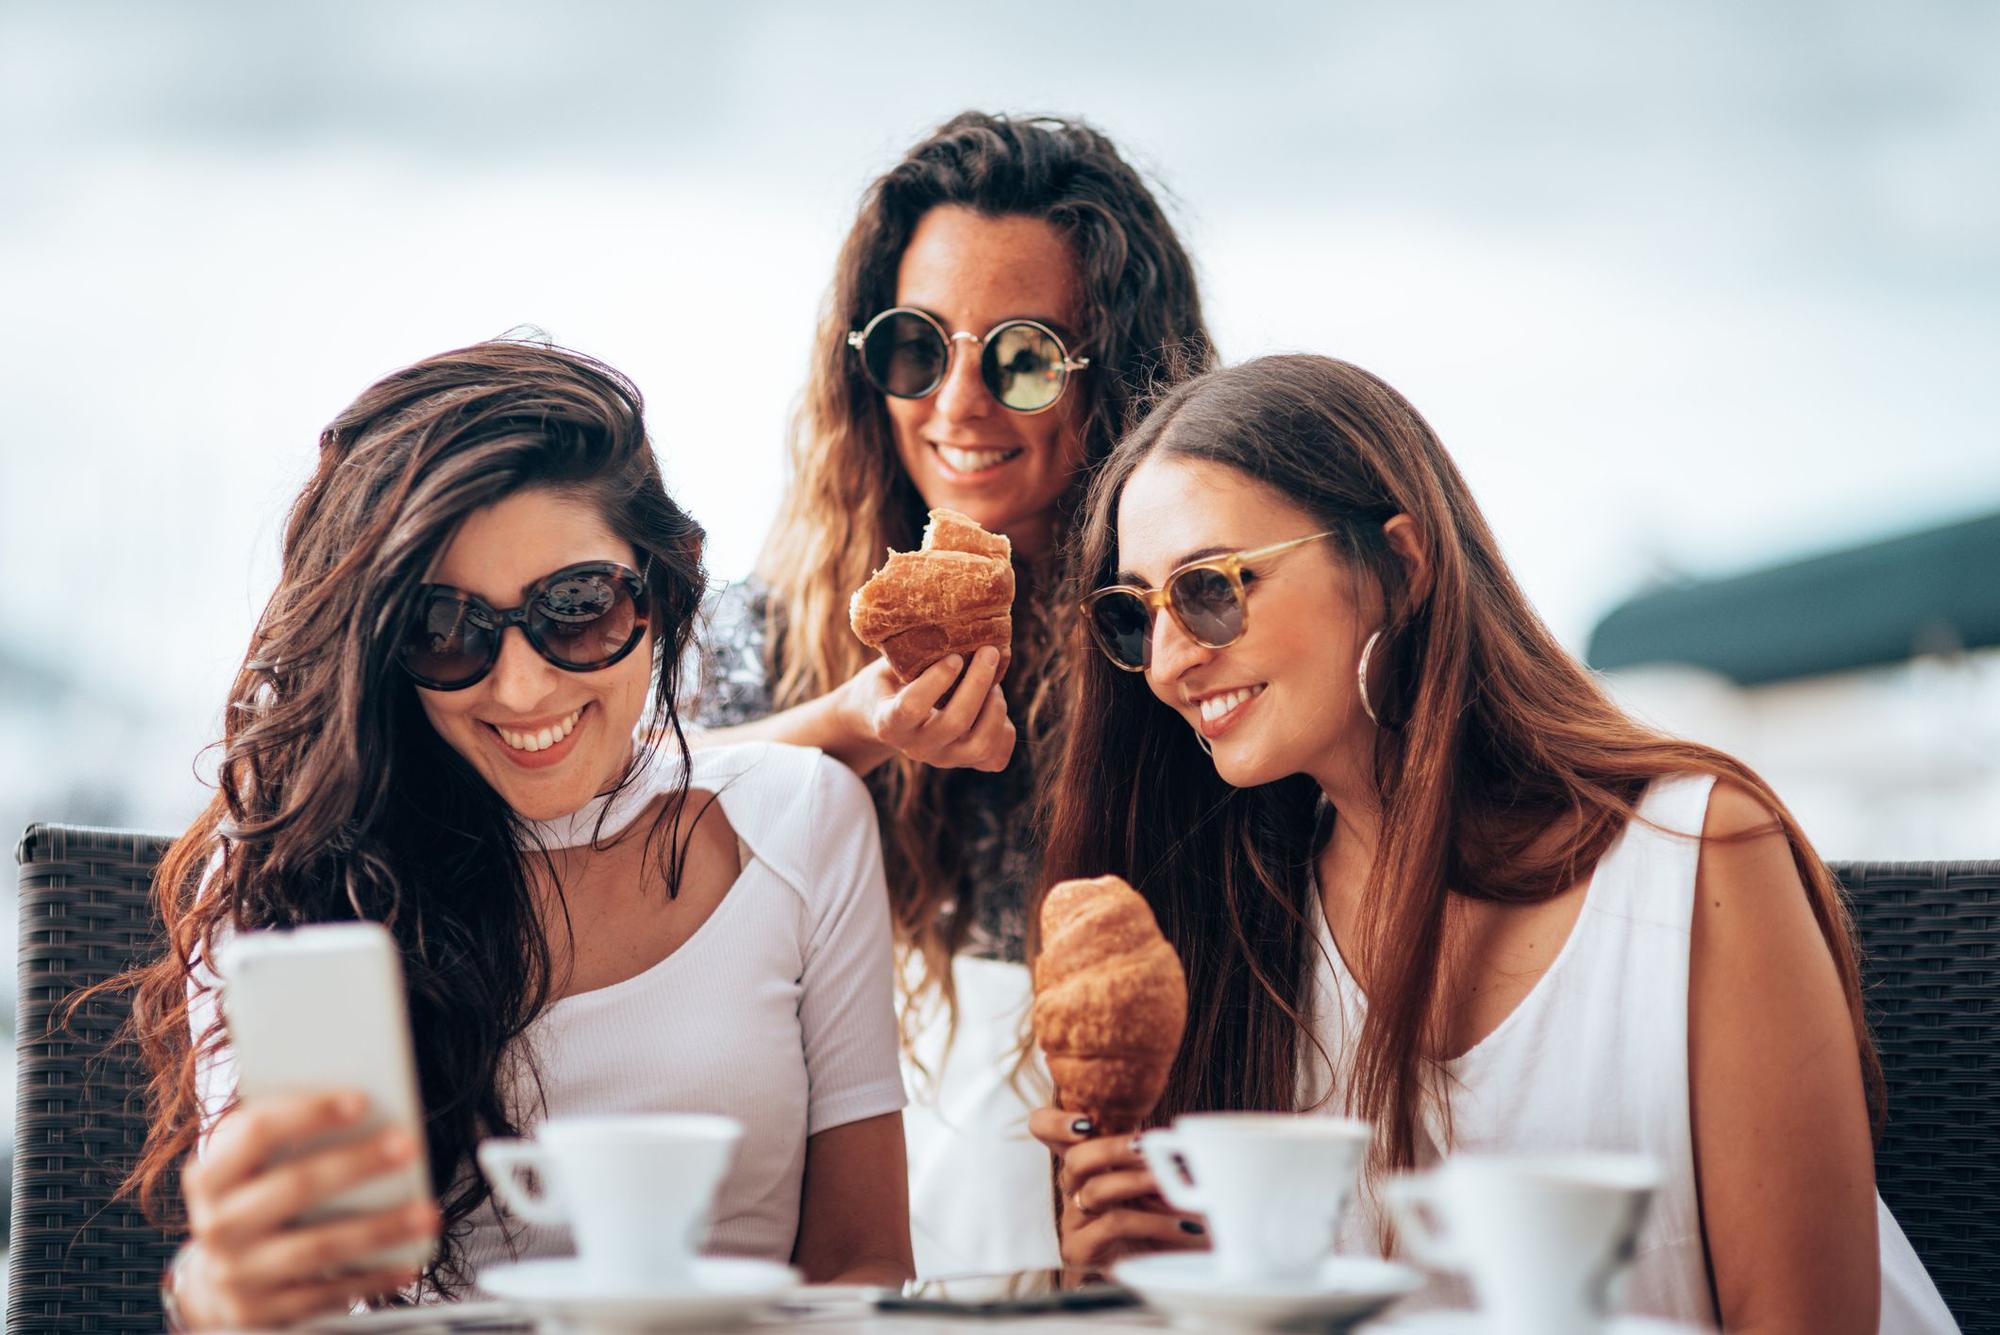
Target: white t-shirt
(778,1011)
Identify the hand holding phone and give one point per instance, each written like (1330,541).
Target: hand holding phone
(314,1190)
(320,1009)
(249,1264)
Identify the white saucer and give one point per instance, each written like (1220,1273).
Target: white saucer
(727,1291)
(1185,1287)
(1474,1323)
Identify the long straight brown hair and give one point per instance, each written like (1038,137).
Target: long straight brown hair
(336,798)
(1505,775)
(849,499)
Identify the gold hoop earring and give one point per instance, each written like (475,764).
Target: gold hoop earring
(1361,678)
(1205,744)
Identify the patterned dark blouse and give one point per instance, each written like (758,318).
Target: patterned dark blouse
(1000,853)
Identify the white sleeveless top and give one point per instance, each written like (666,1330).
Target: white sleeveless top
(1595,1057)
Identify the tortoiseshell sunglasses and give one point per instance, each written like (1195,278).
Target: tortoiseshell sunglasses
(1205,599)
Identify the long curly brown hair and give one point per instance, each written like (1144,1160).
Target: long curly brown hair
(849,498)
(1500,739)
(337,800)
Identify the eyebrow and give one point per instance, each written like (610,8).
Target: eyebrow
(1199,554)
(1059,326)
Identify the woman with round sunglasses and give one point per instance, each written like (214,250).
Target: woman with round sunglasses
(1007,294)
(457,718)
(1422,871)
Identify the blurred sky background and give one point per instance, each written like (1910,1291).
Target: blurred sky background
(1686,287)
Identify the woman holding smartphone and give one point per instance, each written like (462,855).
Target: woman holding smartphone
(457,718)
(1422,871)
(1008,292)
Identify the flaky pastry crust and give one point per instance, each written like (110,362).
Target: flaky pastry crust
(953,595)
(1110,1002)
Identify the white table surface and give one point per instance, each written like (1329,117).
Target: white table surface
(850,1316)
(834,1318)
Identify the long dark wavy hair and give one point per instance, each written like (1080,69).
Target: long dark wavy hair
(337,800)
(1505,775)
(849,498)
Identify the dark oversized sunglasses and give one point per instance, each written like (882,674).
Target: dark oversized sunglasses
(1205,599)
(580,618)
(905,353)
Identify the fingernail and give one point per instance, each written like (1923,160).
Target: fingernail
(422,1215)
(1082,1126)
(955,662)
(1190,1226)
(1137,1146)
(397,1145)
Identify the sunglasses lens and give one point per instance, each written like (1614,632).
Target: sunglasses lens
(450,643)
(1123,626)
(904,356)
(586,619)
(1022,365)
(1208,606)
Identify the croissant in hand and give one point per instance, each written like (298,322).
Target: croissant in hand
(951,596)
(1110,1002)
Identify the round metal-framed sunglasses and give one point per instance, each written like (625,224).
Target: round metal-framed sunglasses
(906,352)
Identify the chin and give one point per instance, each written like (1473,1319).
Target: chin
(541,807)
(991,513)
(1238,776)
(543,801)
(1242,768)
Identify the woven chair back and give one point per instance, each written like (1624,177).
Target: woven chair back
(1930,977)
(77,1260)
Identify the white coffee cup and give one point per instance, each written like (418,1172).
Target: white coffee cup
(635,1190)
(1545,1238)
(1270,1185)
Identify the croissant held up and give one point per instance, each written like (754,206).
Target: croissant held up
(1110,1002)
(951,596)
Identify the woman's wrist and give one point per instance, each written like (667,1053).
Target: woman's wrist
(845,731)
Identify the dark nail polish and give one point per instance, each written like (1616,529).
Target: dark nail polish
(1190,1226)
(1082,1126)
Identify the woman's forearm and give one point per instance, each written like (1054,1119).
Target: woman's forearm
(825,723)
(854,1205)
(882,1272)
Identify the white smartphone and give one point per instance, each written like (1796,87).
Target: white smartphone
(316,1009)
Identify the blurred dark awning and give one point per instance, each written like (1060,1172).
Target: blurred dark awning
(1879,603)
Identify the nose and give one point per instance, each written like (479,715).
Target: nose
(1175,653)
(963,397)
(521,678)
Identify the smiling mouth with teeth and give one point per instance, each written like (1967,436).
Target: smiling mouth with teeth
(1216,707)
(974,461)
(541,739)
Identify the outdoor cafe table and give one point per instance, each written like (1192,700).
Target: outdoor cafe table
(828,1323)
(847,1318)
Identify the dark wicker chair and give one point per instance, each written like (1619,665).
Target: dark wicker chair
(78,1262)
(1930,935)
(1931,932)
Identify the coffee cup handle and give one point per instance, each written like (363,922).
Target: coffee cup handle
(1162,1153)
(502,1160)
(1408,1198)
